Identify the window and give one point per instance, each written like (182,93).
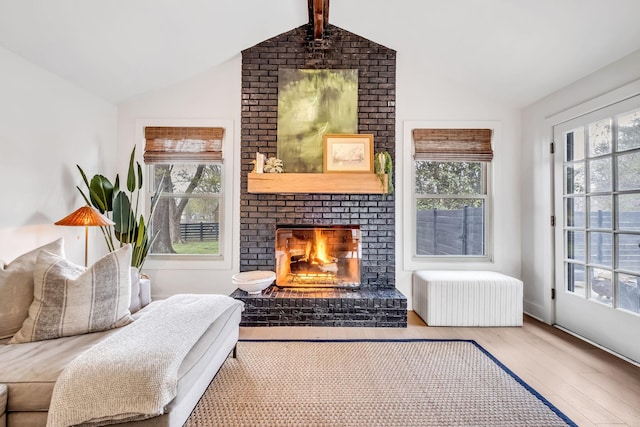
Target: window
(186,171)
(601,198)
(451,191)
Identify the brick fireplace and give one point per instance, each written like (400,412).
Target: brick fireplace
(374,301)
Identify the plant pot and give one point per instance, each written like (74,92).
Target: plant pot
(140,290)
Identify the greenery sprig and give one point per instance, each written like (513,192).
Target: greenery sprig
(383,165)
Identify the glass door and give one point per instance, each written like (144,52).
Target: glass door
(597,186)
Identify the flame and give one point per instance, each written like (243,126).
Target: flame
(321,247)
(316,252)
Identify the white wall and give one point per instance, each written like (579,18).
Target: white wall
(425,100)
(47,126)
(210,99)
(216,95)
(598,89)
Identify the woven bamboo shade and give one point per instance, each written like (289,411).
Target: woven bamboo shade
(464,145)
(183,144)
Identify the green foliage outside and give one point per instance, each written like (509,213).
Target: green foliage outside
(198,248)
(190,194)
(312,103)
(448,179)
(601,143)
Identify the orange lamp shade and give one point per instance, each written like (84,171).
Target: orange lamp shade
(85,216)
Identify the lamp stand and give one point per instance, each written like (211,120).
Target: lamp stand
(88,217)
(86,245)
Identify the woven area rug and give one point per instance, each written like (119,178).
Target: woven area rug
(370,383)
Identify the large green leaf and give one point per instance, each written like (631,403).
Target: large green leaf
(125,222)
(141,245)
(139,176)
(101,193)
(142,232)
(84,176)
(131,175)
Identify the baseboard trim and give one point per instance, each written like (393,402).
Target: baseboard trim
(595,344)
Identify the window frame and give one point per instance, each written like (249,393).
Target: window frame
(210,196)
(228,225)
(486,197)
(406,163)
(612,112)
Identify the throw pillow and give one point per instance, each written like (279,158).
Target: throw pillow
(71,300)
(16,287)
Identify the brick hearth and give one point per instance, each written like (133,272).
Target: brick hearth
(323,307)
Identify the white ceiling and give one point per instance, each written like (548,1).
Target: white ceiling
(517,50)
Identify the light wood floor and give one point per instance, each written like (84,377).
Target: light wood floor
(591,386)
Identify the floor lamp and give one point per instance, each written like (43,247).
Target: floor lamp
(88,217)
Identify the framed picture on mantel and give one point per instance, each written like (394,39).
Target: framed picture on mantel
(344,153)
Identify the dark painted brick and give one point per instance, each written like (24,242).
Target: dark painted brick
(260,213)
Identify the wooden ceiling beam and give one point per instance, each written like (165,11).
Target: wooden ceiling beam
(318,16)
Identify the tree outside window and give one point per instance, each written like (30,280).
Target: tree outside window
(187,217)
(450,208)
(186,167)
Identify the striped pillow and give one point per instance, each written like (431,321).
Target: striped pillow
(16,287)
(71,300)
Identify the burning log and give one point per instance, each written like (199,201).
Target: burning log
(329,268)
(298,258)
(306,267)
(301,267)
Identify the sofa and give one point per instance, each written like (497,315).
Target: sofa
(39,368)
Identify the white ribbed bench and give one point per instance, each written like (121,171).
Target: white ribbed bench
(467,298)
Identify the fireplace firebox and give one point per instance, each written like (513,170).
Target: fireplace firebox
(318,256)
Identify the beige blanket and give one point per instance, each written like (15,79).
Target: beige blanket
(133,374)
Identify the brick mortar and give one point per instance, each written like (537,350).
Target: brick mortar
(282,307)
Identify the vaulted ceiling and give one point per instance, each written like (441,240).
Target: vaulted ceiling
(516,50)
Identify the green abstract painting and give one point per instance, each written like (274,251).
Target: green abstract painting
(310,104)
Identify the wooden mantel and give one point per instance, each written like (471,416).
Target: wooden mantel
(328,183)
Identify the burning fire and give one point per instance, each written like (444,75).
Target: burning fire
(318,256)
(317,250)
(316,260)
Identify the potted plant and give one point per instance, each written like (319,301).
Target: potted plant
(123,209)
(383,168)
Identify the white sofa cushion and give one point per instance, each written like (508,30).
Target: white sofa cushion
(71,300)
(16,287)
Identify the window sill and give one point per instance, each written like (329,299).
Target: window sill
(186,262)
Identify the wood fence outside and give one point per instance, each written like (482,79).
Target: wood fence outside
(450,232)
(200,231)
